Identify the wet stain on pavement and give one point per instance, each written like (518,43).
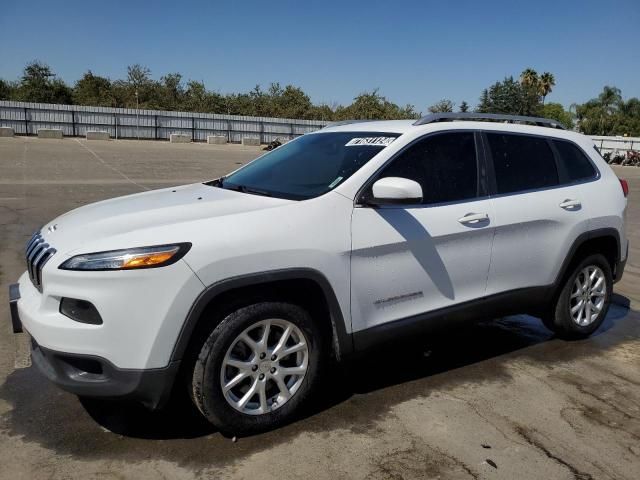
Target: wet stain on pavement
(363,395)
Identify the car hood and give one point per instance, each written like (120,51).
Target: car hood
(169,207)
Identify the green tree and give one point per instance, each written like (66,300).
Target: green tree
(464,107)
(198,99)
(546,83)
(321,112)
(557,112)
(598,115)
(628,120)
(139,89)
(171,91)
(442,106)
(529,78)
(609,114)
(372,105)
(484,105)
(509,97)
(7,90)
(293,103)
(93,90)
(530,91)
(39,84)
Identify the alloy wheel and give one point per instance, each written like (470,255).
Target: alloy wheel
(264,366)
(588,295)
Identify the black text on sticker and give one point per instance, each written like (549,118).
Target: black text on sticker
(377,141)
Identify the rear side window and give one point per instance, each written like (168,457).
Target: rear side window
(574,160)
(444,165)
(522,162)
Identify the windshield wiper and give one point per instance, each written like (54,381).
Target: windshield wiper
(245,189)
(215,183)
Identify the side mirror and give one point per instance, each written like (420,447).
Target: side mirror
(396,190)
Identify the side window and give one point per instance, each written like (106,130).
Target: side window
(444,165)
(576,163)
(522,162)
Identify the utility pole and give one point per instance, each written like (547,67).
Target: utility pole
(137,115)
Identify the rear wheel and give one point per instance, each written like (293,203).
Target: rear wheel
(257,368)
(583,302)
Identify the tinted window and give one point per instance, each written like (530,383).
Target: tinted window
(522,162)
(310,165)
(444,165)
(576,163)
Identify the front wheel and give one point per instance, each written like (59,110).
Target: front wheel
(257,368)
(582,304)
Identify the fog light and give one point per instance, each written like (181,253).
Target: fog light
(80,311)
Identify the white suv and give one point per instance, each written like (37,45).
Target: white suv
(246,286)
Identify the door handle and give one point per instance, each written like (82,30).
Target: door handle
(473,218)
(570,204)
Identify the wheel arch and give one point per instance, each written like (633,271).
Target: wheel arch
(605,241)
(224,293)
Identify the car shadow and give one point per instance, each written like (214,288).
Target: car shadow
(443,355)
(419,242)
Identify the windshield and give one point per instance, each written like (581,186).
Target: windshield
(308,166)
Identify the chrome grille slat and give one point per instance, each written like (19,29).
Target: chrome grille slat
(33,238)
(32,255)
(37,254)
(34,245)
(40,263)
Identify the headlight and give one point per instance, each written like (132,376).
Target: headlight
(128,259)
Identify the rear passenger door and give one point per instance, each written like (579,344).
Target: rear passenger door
(541,204)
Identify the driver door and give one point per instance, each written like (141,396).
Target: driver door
(411,259)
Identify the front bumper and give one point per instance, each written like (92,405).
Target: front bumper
(92,376)
(142,311)
(14,296)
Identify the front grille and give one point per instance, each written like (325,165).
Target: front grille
(37,255)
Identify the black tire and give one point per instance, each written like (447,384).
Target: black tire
(206,377)
(560,321)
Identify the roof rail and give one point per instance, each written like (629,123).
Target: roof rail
(494,117)
(347,122)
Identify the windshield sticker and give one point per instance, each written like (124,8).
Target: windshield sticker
(370,141)
(335,182)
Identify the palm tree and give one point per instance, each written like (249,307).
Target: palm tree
(529,78)
(610,99)
(547,82)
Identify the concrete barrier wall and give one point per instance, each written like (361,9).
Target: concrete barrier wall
(179,138)
(49,133)
(250,141)
(6,132)
(96,135)
(216,140)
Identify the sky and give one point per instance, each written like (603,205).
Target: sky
(414,52)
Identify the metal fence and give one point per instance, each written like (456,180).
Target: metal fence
(75,120)
(616,145)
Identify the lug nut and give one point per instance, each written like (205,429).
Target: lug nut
(273,369)
(262,355)
(261,377)
(273,357)
(254,368)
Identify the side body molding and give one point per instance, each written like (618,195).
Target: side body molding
(342,341)
(519,301)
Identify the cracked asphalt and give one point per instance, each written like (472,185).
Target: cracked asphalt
(503,399)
